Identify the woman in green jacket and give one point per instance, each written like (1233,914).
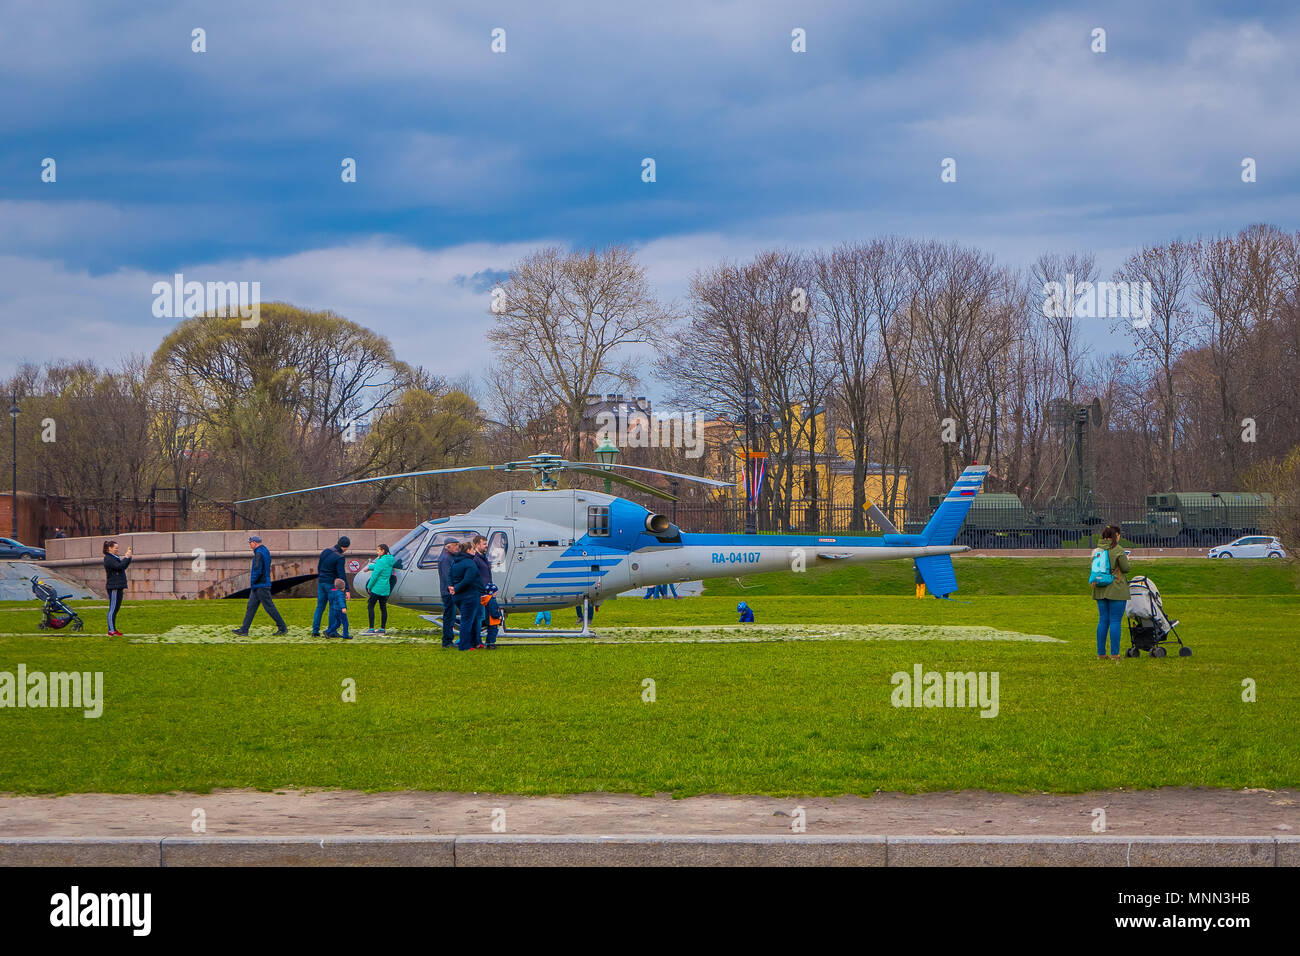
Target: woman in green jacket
(1111,598)
(379,586)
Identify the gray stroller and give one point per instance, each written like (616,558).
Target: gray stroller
(1149,627)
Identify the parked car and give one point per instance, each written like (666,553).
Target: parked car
(1250,546)
(11,549)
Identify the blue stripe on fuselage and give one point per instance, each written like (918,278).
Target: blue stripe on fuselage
(800,540)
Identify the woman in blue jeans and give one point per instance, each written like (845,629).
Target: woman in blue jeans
(1112,598)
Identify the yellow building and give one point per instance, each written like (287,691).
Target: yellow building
(825,479)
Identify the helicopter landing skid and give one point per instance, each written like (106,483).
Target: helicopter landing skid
(525,632)
(547,632)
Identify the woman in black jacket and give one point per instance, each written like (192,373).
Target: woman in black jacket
(115,568)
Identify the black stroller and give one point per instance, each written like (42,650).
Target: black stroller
(1148,625)
(55,615)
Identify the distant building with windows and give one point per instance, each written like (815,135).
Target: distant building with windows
(823,478)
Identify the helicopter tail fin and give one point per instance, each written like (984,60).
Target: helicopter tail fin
(938,574)
(948,517)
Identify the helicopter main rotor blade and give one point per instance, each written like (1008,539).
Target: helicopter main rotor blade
(362,481)
(670,474)
(556,464)
(623,480)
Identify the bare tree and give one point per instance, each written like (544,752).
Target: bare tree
(1060,277)
(566,319)
(960,313)
(747,348)
(1031,378)
(101,462)
(863,288)
(1163,335)
(1222,286)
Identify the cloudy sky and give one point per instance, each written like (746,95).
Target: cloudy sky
(225,165)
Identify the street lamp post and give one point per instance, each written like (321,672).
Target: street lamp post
(607,453)
(13,495)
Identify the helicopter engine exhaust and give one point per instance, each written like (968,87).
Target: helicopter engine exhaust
(657,524)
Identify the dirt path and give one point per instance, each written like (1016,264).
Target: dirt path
(1167,812)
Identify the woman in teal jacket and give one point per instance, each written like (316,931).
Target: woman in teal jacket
(379,586)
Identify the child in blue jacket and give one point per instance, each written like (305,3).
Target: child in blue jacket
(339,610)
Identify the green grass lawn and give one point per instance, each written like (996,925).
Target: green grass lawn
(808,717)
(977,575)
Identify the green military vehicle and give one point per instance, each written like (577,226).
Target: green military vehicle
(999,519)
(1193,518)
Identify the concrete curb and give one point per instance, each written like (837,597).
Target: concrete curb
(309,851)
(81,851)
(635,850)
(651,850)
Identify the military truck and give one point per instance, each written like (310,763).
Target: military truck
(999,519)
(1193,518)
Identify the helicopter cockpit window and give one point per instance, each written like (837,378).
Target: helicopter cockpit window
(496,552)
(434,547)
(405,550)
(598,521)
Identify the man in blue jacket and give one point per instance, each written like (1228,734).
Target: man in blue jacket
(490,610)
(450,548)
(259,588)
(468,586)
(329,568)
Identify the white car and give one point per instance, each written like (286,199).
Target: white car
(1251,546)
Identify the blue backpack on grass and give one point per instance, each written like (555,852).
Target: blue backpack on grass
(1101,574)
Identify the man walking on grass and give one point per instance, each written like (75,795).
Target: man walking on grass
(259,588)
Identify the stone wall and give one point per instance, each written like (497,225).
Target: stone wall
(165,565)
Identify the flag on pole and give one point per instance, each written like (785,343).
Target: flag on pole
(755,471)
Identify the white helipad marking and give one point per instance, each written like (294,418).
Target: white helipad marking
(713,634)
(760,633)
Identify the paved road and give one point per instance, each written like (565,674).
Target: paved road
(1165,812)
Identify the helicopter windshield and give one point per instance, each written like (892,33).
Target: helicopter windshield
(406,548)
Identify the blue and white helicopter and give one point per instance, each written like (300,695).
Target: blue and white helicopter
(553,548)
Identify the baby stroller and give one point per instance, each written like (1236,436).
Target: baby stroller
(55,615)
(1148,625)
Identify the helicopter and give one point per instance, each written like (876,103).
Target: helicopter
(552,548)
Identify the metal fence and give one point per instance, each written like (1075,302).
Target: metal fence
(1000,527)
